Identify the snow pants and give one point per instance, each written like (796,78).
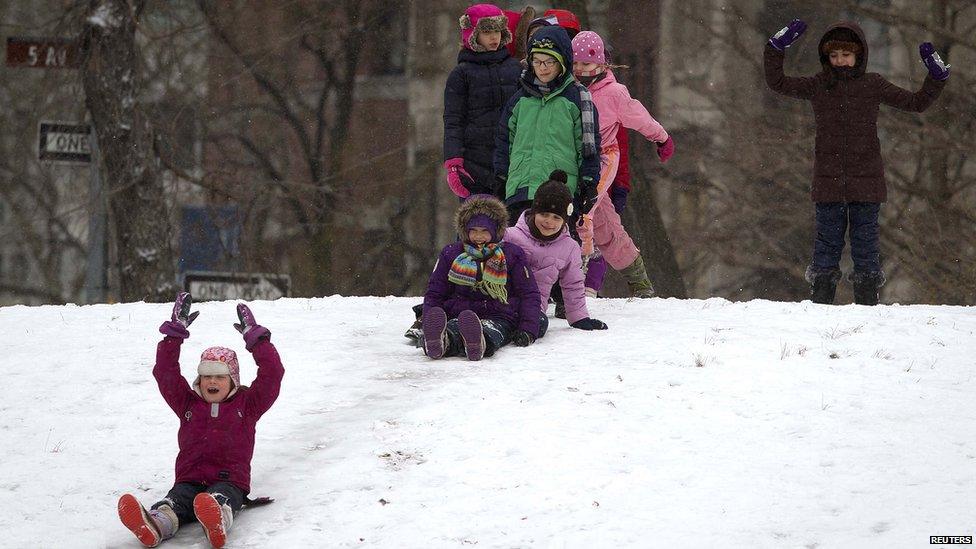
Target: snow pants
(180,498)
(498,333)
(609,235)
(860,219)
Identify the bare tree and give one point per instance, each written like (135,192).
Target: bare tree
(113,81)
(287,133)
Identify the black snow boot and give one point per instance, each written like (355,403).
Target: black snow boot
(556,294)
(416,331)
(866,287)
(823,285)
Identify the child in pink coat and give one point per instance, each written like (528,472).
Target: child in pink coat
(216,438)
(617,109)
(551,252)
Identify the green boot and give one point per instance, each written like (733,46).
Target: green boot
(636,276)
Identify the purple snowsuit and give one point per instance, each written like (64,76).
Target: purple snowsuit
(217,440)
(522,309)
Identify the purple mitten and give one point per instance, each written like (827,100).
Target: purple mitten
(788,34)
(455,170)
(938,70)
(181,318)
(251,330)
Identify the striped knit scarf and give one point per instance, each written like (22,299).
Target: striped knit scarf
(483,269)
(589,127)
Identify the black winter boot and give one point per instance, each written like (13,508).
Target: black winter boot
(556,294)
(823,285)
(416,331)
(866,287)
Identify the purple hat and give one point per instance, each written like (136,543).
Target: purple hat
(485,222)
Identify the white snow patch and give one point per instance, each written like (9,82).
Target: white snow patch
(688,424)
(105,17)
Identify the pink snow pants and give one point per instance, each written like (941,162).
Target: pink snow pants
(609,234)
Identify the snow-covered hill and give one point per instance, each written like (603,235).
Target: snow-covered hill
(688,424)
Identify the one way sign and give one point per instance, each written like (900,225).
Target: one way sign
(220,286)
(61,142)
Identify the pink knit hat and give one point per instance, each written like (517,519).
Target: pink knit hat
(588,48)
(218,361)
(483,18)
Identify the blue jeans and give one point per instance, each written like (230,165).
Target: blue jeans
(860,220)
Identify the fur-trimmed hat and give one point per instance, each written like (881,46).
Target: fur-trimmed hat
(483,18)
(219,361)
(554,197)
(481,209)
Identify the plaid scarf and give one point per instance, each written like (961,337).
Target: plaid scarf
(483,269)
(544,89)
(589,127)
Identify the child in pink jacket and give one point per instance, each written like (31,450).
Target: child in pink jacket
(617,108)
(216,437)
(551,253)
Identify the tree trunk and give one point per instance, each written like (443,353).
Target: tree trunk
(110,76)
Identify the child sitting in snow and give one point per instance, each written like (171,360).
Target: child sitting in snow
(551,253)
(216,436)
(483,286)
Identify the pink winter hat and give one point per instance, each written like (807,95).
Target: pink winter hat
(219,361)
(588,48)
(483,18)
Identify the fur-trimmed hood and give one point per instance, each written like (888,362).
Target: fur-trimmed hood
(481,204)
(860,66)
(483,18)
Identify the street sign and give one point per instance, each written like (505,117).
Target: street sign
(42,53)
(60,142)
(221,286)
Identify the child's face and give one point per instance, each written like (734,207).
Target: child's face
(580,68)
(548,223)
(546,67)
(490,40)
(215,388)
(479,236)
(841,58)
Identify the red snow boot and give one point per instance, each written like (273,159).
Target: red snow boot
(137,520)
(214,517)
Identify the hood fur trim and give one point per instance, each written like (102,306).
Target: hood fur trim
(481,204)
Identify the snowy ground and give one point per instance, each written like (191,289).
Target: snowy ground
(688,424)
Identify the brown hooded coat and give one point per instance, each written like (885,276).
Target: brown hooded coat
(847,164)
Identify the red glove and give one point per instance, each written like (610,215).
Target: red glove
(455,169)
(665,150)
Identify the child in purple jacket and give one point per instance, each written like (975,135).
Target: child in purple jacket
(216,437)
(480,295)
(552,254)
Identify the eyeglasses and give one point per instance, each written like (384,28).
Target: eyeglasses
(548,63)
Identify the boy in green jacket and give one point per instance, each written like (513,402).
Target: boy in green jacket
(549,124)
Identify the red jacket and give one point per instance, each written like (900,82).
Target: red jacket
(217,440)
